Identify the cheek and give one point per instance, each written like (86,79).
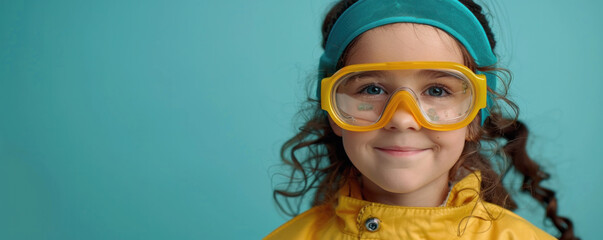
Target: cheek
(356,144)
(351,140)
(450,143)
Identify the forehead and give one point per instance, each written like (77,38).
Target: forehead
(404,42)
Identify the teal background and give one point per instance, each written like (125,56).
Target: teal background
(163,119)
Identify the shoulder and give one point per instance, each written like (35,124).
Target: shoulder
(306,225)
(508,225)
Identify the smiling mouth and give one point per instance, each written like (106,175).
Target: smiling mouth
(401,151)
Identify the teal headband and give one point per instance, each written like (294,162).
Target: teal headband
(450,16)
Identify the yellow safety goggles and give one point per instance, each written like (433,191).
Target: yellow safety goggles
(441,96)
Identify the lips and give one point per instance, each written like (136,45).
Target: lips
(401,151)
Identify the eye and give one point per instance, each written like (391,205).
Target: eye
(436,91)
(372,90)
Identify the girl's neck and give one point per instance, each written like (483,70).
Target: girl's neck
(431,195)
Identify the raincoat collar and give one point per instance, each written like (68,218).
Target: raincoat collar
(463,206)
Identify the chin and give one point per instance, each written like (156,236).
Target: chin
(403,182)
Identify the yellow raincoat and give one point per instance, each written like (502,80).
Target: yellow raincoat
(464,216)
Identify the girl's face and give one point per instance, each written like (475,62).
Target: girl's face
(403,163)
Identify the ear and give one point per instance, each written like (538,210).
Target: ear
(336,129)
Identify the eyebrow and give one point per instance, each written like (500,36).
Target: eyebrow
(434,72)
(355,77)
(373,73)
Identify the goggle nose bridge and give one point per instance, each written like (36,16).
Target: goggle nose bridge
(396,100)
(405,98)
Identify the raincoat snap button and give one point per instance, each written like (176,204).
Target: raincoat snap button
(372,224)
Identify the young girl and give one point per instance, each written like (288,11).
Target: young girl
(396,146)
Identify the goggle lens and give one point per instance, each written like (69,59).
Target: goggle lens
(443,96)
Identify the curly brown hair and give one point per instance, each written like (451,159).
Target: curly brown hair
(320,167)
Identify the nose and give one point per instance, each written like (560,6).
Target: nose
(403,112)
